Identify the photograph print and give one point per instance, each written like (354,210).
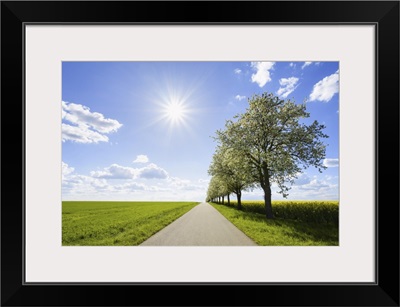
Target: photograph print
(200,153)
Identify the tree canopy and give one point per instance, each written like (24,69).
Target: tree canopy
(230,166)
(270,144)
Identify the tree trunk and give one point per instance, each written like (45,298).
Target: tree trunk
(239,199)
(223,199)
(268,204)
(229,201)
(266,186)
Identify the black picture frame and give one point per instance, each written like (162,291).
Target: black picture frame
(383,14)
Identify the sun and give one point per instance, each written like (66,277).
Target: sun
(174,108)
(175,112)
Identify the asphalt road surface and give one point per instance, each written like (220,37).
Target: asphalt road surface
(201,226)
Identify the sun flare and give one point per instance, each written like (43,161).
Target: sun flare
(175,111)
(174,107)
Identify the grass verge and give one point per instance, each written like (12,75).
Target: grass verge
(279,231)
(91,223)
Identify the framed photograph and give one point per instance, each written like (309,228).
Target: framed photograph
(238,147)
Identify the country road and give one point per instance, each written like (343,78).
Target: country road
(201,226)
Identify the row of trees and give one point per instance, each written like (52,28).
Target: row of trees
(267,143)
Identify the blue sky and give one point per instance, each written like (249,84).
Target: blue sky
(143,130)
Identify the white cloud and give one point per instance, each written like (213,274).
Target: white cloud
(131,184)
(79,114)
(152,171)
(81,134)
(141,159)
(85,126)
(331,162)
(288,85)
(305,187)
(314,185)
(326,88)
(238,97)
(204,181)
(302,179)
(306,64)
(116,171)
(237,71)
(80,185)
(66,170)
(262,73)
(292,64)
(185,184)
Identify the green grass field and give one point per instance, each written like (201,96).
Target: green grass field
(90,223)
(296,223)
